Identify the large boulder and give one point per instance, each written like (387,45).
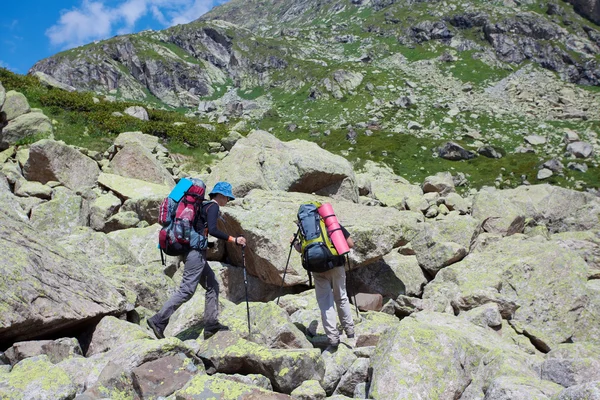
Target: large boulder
(61,215)
(437,356)
(296,166)
(2,95)
(46,289)
(50,81)
(136,161)
(138,112)
(559,209)
(590,9)
(286,369)
(15,104)
(55,161)
(213,387)
(539,286)
(150,142)
(31,125)
(129,188)
(267,220)
(112,332)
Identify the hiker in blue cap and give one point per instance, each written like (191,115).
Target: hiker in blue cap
(197,270)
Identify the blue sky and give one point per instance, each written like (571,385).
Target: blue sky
(36,29)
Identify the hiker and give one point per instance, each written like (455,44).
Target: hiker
(330,288)
(196,269)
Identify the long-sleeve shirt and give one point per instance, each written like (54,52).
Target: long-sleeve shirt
(210,211)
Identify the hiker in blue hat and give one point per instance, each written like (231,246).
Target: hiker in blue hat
(197,270)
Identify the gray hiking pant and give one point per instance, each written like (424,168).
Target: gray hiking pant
(330,287)
(196,270)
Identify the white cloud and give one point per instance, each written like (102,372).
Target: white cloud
(6,66)
(95,20)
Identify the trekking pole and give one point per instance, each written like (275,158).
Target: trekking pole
(287,263)
(246,286)
(353,291)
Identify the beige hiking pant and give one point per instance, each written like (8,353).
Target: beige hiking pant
(330,288)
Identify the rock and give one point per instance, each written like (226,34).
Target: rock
(454,152)
(581,167)
(337,364)
(357,373)
(37,378)
(487,315)
(460,357)
(55,161)
(31,125)
(55,350)
(559,209)
(455,202)
(392,276)
(286,369)
(572,364)
(103,208)
(570,136)
(390,189)
(296,166)
(309,390)
(230,140)
(60,293)
(129,188)
(25,188)
(146,208)
(2,95)
(50,81)
(489,151)
(535,140)
(61,215)
(554,165)
(513,387)
(524,266)
(147,141)
(441,182)
(112,332)
(137,112)
(586,391)
(250,379)
(580,149)
(133,160)
(15,105)
(544,173)
(390,228)
(445,242)
(162,377)
(218,388)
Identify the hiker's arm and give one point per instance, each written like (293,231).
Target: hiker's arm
(212,215)
(349,240)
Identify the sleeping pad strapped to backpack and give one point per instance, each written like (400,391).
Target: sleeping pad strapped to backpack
(318,252)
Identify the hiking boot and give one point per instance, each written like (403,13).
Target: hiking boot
(157,331)
(210,330)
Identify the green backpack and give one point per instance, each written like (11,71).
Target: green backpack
(318,252)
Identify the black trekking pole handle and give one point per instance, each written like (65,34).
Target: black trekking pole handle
(353,291)
(287,263)
(246,288)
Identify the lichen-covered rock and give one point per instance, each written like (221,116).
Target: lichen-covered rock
(15,105)
(392,276)
(137,112)
(162,377)
(441,182)
(487,315)
(31,125)
(309,390)
(390,189)
(286,369)
(224,389)
(150,142)
(375,230)
(120,221)
(443,242)
(250,379)
(559,209)
(59,291)
(146,208)
(25,188)
(584,243)
(103,208)
(296,166)
(137,162)
(37,378)
(571,364)
(129,188)
(433,355)
(61,215)
(539,286)
(55,161)
(337,363)
(357,373)
(112,332)
(586,391)
(56,350)
(519,388)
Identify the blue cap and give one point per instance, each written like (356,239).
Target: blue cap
(223,188)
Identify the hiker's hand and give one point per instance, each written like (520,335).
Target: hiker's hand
(240,241)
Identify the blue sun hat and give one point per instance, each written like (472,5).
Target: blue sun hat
(223,188)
